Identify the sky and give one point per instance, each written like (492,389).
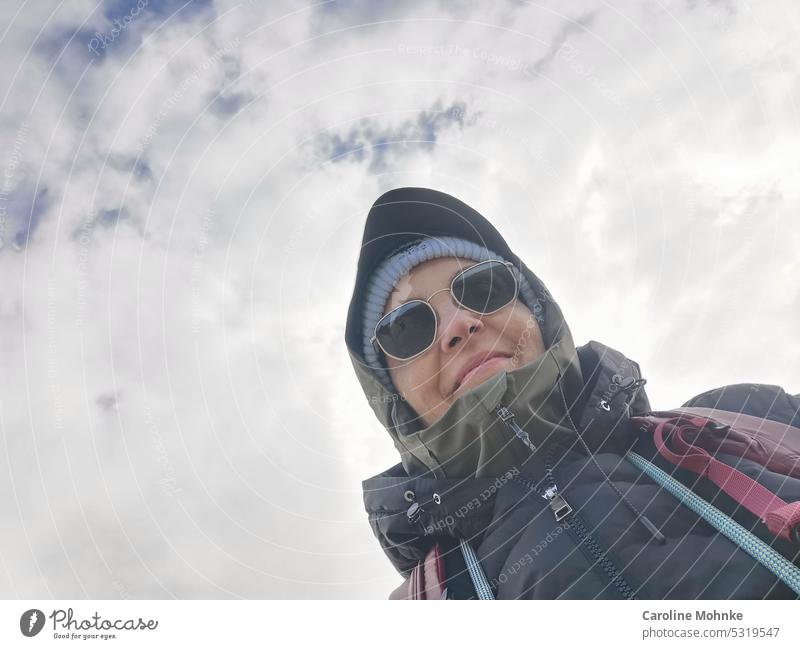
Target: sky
(182,199)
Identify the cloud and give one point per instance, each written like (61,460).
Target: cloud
(367,140)
(180,416)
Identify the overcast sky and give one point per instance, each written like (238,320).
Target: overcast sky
(183,194)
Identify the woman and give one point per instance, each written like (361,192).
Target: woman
(511,439)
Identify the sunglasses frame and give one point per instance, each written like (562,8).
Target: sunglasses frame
(374,340)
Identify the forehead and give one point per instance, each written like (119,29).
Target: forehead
(425,278)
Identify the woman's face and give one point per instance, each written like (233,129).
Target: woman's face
(434,379)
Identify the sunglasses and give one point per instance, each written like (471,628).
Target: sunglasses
(410,329)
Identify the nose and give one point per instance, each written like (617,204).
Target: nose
(456,325)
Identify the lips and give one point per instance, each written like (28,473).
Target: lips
(472,367)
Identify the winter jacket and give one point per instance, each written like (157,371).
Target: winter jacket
(625,536)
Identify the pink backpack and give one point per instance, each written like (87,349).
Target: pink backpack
(688,438)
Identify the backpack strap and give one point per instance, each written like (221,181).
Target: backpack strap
(479,581)
(774,444)
(765,554)
(446,573)
(780,517)
(427,579)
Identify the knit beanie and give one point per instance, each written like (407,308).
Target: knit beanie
(399,262)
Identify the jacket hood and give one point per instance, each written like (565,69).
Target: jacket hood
(469,440)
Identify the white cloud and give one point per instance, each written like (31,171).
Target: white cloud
(181,417)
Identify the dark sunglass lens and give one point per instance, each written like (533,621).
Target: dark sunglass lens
(486,287)
(407,330)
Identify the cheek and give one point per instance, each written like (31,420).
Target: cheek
(513,323)
(519,329)
(415,378)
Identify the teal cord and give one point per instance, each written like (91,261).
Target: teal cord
(482,588)
(771,559)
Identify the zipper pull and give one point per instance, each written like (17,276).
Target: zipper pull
(561,508)
(508,419)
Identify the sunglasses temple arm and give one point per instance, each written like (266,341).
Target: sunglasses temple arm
(378,350)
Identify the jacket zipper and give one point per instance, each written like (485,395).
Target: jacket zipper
(561,508)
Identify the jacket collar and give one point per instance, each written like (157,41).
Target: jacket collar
(611,394)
